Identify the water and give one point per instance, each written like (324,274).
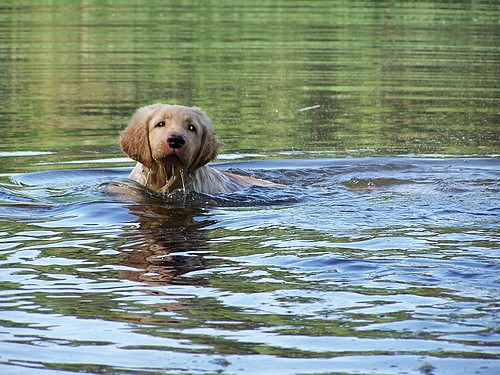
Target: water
(379,255)
(379,265)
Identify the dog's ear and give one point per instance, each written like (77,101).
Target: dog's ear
(209,147)
(134,140)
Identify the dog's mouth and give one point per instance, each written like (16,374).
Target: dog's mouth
(173,171)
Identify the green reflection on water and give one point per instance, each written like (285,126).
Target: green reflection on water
(381,78)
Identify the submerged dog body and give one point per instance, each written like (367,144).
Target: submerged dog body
(172,145)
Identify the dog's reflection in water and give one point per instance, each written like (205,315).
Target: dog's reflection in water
(169,240)
(167,243)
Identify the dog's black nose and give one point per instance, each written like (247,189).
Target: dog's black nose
(176,141)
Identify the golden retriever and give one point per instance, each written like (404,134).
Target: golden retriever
(172,145)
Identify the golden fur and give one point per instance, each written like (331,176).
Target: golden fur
(172,145)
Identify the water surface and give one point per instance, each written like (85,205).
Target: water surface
(379,255)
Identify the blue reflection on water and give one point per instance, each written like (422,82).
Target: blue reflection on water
(352,260)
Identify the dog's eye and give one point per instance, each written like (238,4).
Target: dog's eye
(160,124)
(192,128)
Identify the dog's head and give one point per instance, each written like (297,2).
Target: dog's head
(170,134)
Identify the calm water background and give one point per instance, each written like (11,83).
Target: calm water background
(380,254)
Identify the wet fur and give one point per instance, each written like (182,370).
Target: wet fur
(162,168)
